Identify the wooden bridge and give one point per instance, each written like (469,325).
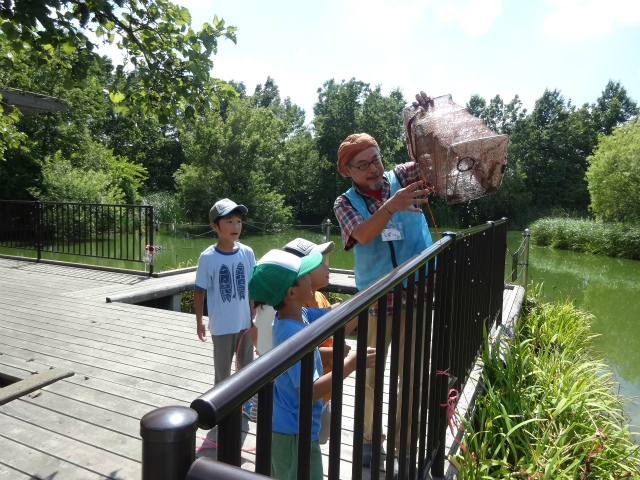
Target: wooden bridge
(91,369)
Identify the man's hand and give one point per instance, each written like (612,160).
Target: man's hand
(423,100)
(371,357)
(406,198)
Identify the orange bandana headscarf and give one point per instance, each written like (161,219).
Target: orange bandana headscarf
(352,146)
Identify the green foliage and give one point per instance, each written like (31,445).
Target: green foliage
(551,146)
(171,62)
(548,409)
(500,118)
(10,137)
(614,174)
(155,146)
(613,108)
(234,158)
(620,240)
(93,175)
(166,209)
(353,107)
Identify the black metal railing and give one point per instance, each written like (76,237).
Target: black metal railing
(519,267)
(454,303)
(119,232)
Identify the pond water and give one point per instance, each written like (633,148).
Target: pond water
(606,287)
(609,289)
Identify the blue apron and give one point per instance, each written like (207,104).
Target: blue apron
(373,260)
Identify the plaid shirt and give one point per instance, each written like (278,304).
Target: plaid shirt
(349,218)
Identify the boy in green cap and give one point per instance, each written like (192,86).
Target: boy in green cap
(281,280)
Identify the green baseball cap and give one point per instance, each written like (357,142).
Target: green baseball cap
(275,273)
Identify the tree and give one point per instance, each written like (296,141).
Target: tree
(613,108)
(352,107)
(500,118)
(234,157)
(614,174)
(337,114)
(264,96)
(171,61)
(552,145)
(93,175)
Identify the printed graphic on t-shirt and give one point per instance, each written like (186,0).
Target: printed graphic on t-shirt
(225,283)
(240,281)
(232,286)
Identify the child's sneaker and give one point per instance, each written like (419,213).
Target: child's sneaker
(246,410)
(250,409)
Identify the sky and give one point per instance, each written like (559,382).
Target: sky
(457,47)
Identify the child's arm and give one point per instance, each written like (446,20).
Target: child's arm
(326,354)
(198,304)
(353,323)
(254,337)
(322,386)
(349,326)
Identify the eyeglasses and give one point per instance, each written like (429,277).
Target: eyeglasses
(364,164)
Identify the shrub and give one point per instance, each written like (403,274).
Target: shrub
(620,240)
(548,409)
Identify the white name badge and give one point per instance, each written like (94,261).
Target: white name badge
(392,232)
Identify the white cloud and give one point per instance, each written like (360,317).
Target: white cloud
(578,19)
(475,17)
(299,53)
(383,13)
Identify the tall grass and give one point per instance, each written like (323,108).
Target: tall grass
(620,240)
(549,408)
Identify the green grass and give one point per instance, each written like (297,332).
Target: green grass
(621,240)
(549,410)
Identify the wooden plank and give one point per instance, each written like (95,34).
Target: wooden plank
(180,329)
(105,430)
(159,372)
(21,461)
(93,459)
(107,399)
(31,384)
(151,350)
(11,473)
(172,392)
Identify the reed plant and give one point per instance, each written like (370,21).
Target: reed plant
(621,240)
(549,408)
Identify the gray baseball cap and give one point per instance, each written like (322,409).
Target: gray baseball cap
(302,247)
(225,207)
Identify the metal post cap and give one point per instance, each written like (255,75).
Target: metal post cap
(169,424)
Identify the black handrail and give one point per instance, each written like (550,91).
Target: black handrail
(456,300)
(114,231)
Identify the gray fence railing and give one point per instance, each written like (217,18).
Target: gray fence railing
(457,301)
(119,232)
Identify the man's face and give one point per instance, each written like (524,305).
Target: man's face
(371,177)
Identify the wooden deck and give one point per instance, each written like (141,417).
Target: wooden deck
(126,361)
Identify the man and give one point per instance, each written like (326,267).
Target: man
(381,220)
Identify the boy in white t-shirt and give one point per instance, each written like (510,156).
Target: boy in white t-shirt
(223,272)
